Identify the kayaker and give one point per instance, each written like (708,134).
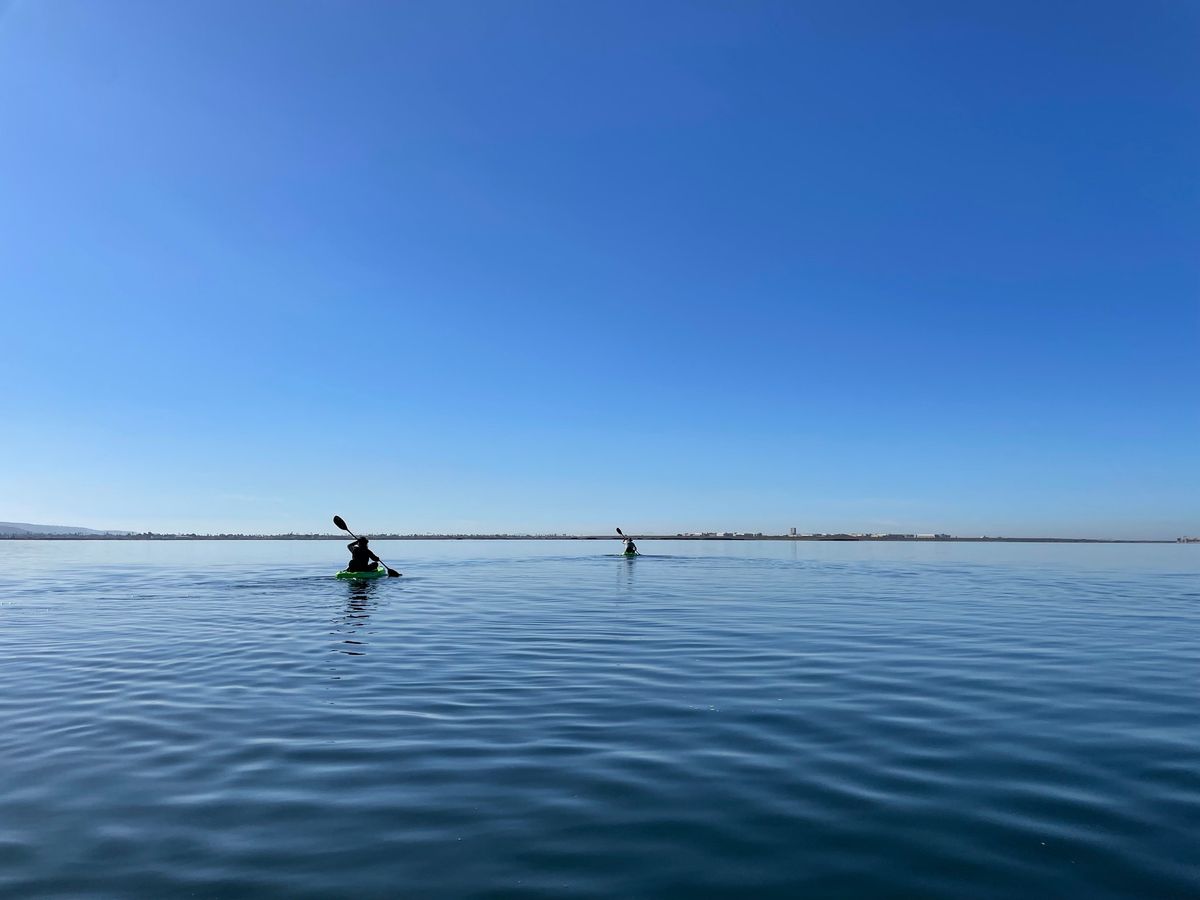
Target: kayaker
(630,547)
(361,557)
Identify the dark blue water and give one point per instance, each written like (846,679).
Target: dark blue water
(539,719)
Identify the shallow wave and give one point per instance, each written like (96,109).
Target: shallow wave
(552,724)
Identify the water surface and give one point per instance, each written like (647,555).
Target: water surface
(224,719)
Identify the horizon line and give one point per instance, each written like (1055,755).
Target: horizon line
(122,535)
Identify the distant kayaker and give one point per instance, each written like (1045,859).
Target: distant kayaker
(630,547)
(361,557)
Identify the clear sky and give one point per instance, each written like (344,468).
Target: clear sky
(562,266)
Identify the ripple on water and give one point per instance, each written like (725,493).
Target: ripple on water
(535,720)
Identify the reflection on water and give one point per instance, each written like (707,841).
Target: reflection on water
(626,575)
(350,627)
(228,720)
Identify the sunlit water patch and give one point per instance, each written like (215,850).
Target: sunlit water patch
(547,718)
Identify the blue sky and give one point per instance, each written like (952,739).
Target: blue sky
(563,266)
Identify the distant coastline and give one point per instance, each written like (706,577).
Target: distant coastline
(923,539)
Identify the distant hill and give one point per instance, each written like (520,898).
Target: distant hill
(28,528)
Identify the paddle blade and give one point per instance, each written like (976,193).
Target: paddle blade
(620,532)
(392,573)
(340,523)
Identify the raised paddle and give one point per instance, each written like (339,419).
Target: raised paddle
(341,523)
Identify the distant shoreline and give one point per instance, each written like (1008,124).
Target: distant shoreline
(939,539)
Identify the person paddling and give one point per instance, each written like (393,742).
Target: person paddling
(630,547)
(362,559)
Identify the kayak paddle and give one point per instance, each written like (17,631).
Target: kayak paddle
(341,523)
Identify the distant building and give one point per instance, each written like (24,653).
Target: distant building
(792,532)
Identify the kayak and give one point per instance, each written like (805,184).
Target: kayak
(630,553)
(369,575)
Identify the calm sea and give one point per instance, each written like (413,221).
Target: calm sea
(548,719)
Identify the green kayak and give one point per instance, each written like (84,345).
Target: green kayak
(369,575)
(628,553)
